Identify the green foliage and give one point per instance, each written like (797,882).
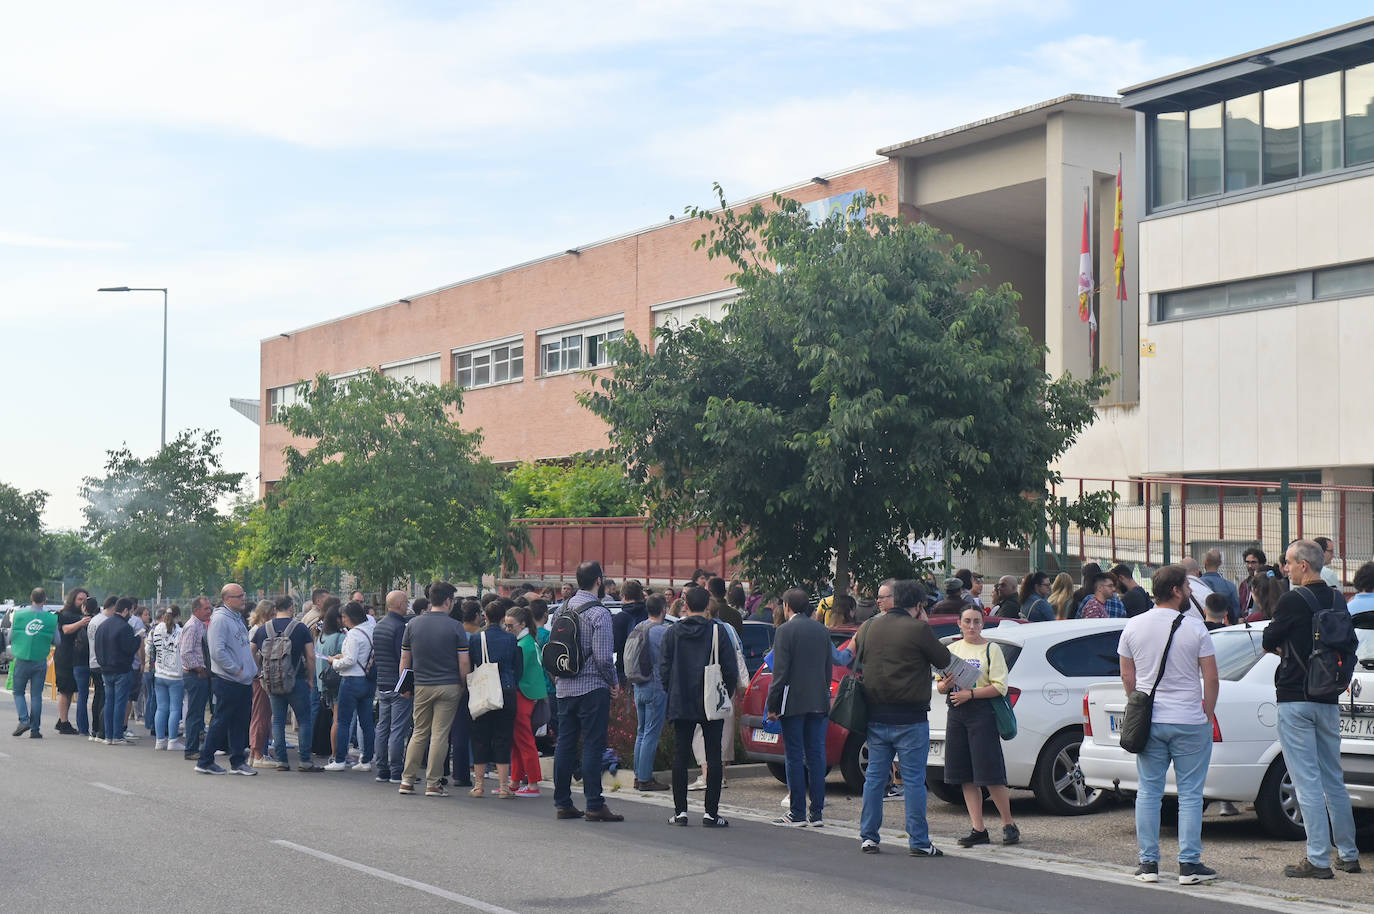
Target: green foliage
(69,557)
(587,487)
(21,541)
(391,484)
(160,517)
(863,387)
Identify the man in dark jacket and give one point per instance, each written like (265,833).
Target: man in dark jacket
(1133,596)
(896,651)
(1008,604)
(688,647)
(722,610)
(632,612)
(800,697)
(115,647)
(394,718)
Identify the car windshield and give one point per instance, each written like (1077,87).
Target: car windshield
(1238,650)
(755,640)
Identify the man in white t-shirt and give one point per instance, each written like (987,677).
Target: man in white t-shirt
(1181,725)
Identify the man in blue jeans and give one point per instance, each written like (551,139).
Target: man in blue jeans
(302,659)
(895,651)
(651,699)
(231,660)
(115,646)
(800,697)
(33,631)
(194,651)
(394,718)
(1165,638)
(1309,725)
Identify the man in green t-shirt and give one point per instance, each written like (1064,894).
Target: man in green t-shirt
(33,631)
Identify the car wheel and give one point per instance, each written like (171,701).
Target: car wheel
(1058,782)
(1277,804)
(854,762)
(778,770)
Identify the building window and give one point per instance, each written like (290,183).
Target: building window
(682,312)
(1321,124)
(1344,282)
(578,346)
(1359,115)
(1204,151)
(424,369)
(278,399)
(1243,142)
(1347,281)
(562,353)
(1170,157)
(1281,133)
(490,363)
(596,349)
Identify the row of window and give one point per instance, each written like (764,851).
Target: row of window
(1267,292)
(1302,128)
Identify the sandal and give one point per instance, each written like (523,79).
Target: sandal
(476,791)
(506,793)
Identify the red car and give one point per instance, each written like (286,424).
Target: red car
(849,751)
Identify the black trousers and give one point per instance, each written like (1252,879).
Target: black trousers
(682,760)
(98,706)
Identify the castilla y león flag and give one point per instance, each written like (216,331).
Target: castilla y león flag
(1085,278)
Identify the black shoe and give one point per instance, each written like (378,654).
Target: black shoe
(1196,873)
(21,729)
(1348,866)
(650,785)
(1011,834)
(1304,869)
(929,850)
(572,812)
(716,821)
(975,837)
(602,815)
(679,819)
(65,728)
(35,735)
(1147,872)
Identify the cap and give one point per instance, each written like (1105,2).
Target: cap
(953,585)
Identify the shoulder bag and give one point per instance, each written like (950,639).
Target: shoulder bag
(1001,707)
(714,695)
(484,685)
(1140,707)
(850,708)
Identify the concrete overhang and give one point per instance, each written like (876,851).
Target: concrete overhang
(1003,124)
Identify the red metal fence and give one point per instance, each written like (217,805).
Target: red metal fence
(625,548)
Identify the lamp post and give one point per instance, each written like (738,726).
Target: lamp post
(163,443)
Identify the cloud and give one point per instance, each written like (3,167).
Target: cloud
(23,240)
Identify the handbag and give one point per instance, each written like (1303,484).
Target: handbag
(714,694)
(1001,707)
(1140,707)
(484,686)
(850,707)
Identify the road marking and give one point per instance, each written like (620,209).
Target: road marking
(445,894)
(122,793)
(3,755)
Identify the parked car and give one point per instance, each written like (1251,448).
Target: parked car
(847,750)
(1049,667)
(757,641)
(1247,762)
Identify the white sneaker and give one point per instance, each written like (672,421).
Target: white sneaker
(160,745)
(336,766)
(131,735)
(698,784)
(176,745)
(363,767)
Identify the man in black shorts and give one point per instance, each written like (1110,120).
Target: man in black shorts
(71,619)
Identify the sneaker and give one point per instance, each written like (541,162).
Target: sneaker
(131,735)
(92,738)
(309,767)
(160,746)
(869,847)
(786,821)
(1011,834)
(1348,866)
(529,792)
(35,735)
(1304,869)
(336,766)
(382,779)
(211,768)
(1147,872)
(975,837)
(283,766)
(116,742)
(176,745)
(246,770)
(815,822)
(1197,873)
(1227,808)
(679,819)
(698,784)
(406,789)
(363,767)
(786,802)
(929,850)
(66,728)
(21,729)
(264,762)
(716,821)
(435,792)
(893,792)
(396,780)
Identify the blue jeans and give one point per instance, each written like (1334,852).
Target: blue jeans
(803,741)
(197,694)
(393,733)
(167,710)
(355,697)
(83,691)
(585,716)
(117,687)
(910,743)
(229,723)
(1189,747)
(29,675)
(298,701)
(1310,735)
(651,704)
(150,701)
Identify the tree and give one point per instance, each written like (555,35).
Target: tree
(68,557)
(158,519)
(589,486)
(21,541)
(862,388)
(391,484)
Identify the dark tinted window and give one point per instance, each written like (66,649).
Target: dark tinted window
(1091,655)
(757,640)
(1009,652)
(1237,651)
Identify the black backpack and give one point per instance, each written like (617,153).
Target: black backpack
(1332,662)
(563,655)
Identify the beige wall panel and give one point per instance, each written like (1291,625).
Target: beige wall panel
(1237,238)
(1276,348)
(1164,239)
(1318,217)
(1318,357)
(1201,370)
(1237,413)
(1355,220)
(1352,377)
(1201,252)
(1276,231)
(1163,396)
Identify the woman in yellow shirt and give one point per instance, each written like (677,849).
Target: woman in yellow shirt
(973,748)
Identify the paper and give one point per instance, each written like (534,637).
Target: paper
(964,674)
(406,683)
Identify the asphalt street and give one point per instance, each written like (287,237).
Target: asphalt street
(99,828)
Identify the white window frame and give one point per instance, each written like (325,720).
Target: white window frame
(715,303)
(574,338)
(279,399)
(486,354)
(415,360)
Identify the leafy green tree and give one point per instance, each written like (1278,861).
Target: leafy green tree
(158,520)
(862,388)
(21,541)
(390,485)
(586,487)
(69,557)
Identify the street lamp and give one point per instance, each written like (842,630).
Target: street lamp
(164,343)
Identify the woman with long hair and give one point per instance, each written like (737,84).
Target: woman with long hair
(167,682)
(524,760)
(1033,596)
(327,644)
(81,666)
(1266,589)
(260,724)
(1061,596)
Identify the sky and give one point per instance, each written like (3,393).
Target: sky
(274,165)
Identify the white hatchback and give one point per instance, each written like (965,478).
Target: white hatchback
(1247,763)
(1050,665)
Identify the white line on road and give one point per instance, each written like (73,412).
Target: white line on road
(473,903)
(122,793)
(3,755)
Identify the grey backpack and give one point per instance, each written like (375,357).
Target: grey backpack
(278,671)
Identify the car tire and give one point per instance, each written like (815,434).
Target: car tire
(778,770)
(1277,804)
(1058,783)
(854,762)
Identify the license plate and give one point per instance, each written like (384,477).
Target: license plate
(1357,727)
(937,749)
(763,736)
(1114,722)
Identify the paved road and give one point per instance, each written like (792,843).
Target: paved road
(99,829)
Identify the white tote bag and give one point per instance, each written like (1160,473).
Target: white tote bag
(484,686)
(718,703)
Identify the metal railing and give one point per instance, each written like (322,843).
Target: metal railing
(626,548)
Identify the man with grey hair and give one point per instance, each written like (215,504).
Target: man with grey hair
(1198,591)
(1212,577)
(1309,726)
(194,652)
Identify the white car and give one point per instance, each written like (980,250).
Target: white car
(1050,665)
(1247,763)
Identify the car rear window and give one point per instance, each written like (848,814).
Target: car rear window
(1237,652)
(1009,652)
(1091,655)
